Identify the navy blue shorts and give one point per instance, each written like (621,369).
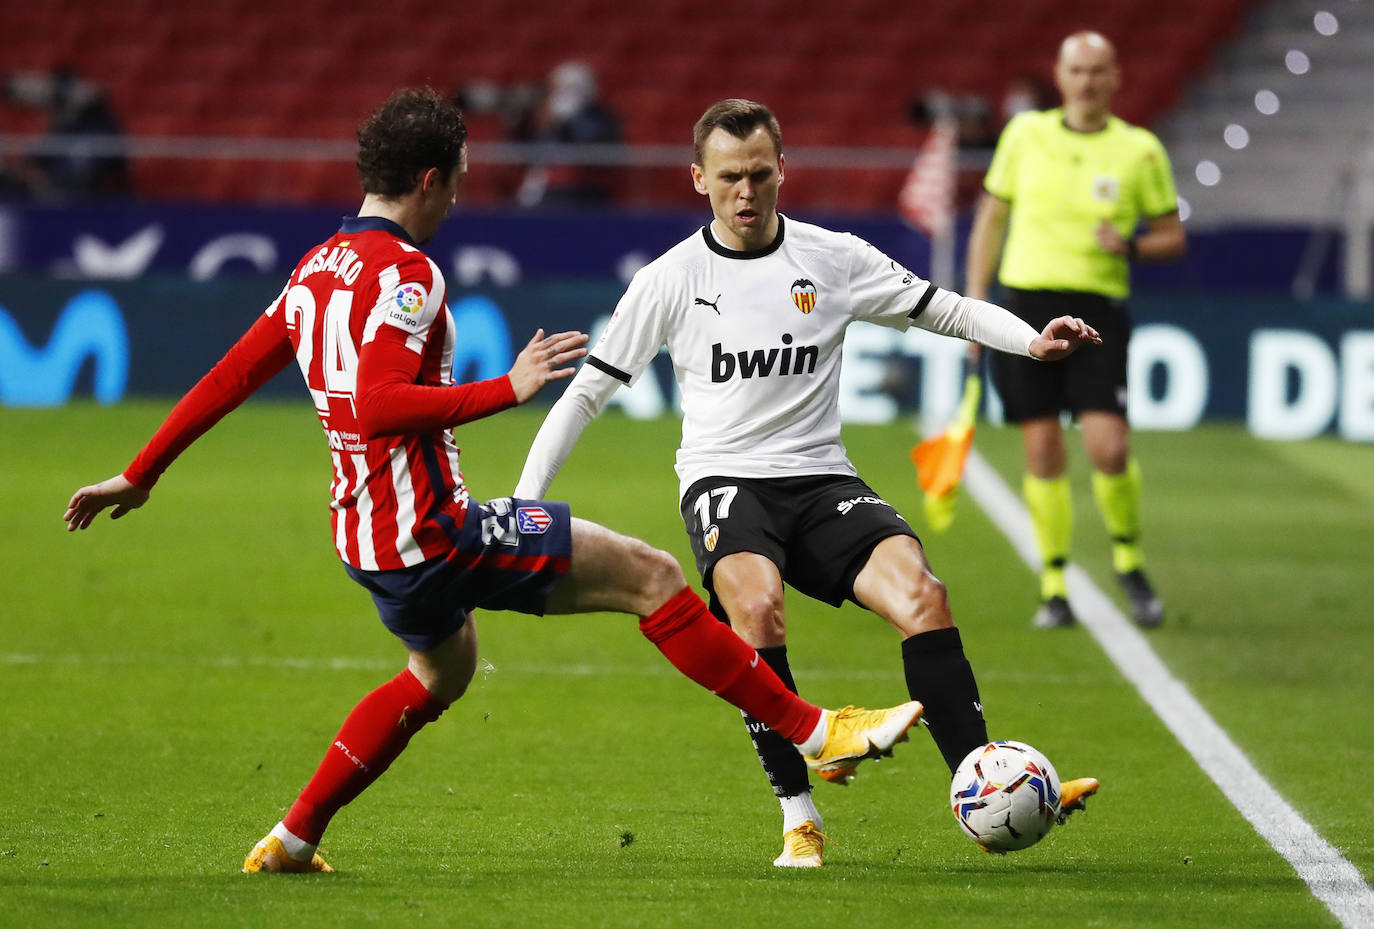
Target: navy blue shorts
(509,554)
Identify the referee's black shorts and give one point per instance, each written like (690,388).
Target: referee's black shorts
(1092,378)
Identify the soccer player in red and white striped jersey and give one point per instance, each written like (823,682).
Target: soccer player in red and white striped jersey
(365,318)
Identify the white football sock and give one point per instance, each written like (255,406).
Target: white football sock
(797,810)
(296,848)
(816,740)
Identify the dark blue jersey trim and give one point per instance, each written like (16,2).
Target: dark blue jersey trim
(352,225)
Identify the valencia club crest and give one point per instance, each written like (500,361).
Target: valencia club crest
(804,295)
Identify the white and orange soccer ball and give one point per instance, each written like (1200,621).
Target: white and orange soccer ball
(1005,796)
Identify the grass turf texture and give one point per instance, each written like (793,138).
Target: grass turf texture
(169,682)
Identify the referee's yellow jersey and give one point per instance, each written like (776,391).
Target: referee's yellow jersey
(1061,184)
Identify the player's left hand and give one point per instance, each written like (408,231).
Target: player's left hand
(544,359)
(1109,240)
(117,492)
(1062,337)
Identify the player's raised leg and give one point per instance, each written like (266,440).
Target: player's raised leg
(371,738)
(898,584)
(614,572)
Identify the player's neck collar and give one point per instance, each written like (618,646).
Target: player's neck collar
(724,252)
(352,225)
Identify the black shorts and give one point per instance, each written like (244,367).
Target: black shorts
(819,529)
(1092,378)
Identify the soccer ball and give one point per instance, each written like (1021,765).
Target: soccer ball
(1005,796)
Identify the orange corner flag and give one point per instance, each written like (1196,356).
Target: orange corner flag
(940,459)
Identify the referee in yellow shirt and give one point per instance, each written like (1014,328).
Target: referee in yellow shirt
(1077,194)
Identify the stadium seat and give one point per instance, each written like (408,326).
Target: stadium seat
(838,74)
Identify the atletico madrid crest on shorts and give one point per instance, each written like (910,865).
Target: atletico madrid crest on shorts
(532,520)
(804,295)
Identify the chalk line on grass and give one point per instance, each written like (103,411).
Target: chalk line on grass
(1332,879)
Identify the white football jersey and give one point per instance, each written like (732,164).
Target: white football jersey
(756,340)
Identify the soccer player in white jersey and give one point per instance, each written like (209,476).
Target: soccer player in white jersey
(364,316)
(753,310)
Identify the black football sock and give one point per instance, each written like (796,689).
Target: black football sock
(781,761)
(938,674)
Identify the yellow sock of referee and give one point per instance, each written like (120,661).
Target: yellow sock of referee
(1051,513)
(1118,497)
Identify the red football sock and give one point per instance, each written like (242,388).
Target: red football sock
(708,651)
(373,735)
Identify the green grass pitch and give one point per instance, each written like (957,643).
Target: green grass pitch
(168,682)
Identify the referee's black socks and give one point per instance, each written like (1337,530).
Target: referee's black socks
(938,674)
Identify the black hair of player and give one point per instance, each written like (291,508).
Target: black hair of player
(415,130)
(739,117)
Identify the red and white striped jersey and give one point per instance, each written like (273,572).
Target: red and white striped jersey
(365,317)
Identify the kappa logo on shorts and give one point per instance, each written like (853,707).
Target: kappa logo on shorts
(711,537)
(533,520)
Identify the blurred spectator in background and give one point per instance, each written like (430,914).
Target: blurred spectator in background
(970,112)
(83,153)
(571,113)
(978,121)
(1024,92)
(510,107)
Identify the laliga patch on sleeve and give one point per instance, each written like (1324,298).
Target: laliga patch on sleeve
(532,520)
(407,307)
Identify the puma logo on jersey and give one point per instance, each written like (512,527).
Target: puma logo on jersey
(697,301)
(760,362)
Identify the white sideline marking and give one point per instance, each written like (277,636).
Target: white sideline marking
(1332,880)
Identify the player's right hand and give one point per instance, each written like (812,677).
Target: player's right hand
(87,502)
(1061,338)
(544,359)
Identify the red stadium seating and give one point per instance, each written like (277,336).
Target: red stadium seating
(837,74)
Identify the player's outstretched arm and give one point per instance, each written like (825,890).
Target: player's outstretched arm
(116,491)
(544,359)
(1061,338)
(585,397)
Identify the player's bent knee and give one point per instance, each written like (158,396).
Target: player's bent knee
(662,575)
(926,602)
(758,618)
(446,686)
